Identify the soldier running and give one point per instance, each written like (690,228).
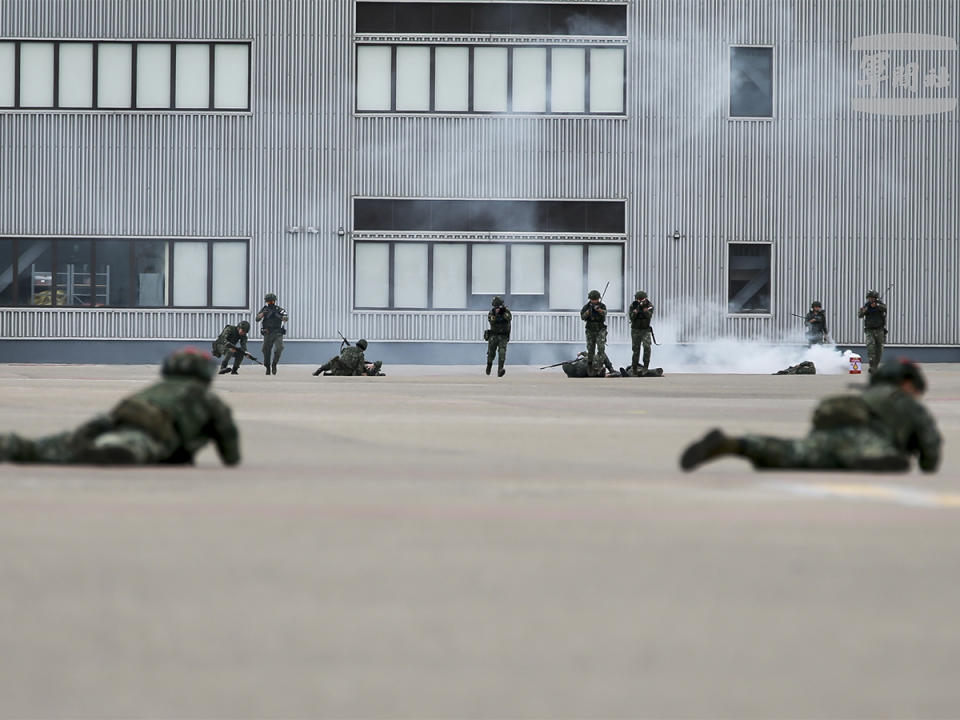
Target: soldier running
(874,314)
(641,313)
(498,335)
(168,422)
(594,316)
(272,317)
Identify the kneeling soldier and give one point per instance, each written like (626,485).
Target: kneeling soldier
(168,422)
(232,342)
(498,335)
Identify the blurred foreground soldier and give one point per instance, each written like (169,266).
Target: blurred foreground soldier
(641,313)
(877,430)
(594,316)
(272,318)
(232,342)
(816,320)
(351,362)
(498,335)
(168,422)
(874,314)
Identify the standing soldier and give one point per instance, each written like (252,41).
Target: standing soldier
(498,335)
(273,317)
(874,315)
(641,313)
(232,341)
(816,324)
(594,315)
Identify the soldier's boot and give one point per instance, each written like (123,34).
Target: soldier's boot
(273,367)
(591,365)
(489,363)
(646,358)
(500,371)
(224,368)
(633,363)
(712,445)
(322,369)
(14,448)
(267,368)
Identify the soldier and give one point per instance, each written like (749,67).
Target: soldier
(168,422)
(641,312)
(350,362)
(594,315)
(498,335)
(877,430)
(874,314)
(232,341)
(816,321)
(273,318)
(580,368)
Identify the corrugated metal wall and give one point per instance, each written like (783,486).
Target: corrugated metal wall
(849,200)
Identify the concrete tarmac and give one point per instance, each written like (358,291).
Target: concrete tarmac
(440,544)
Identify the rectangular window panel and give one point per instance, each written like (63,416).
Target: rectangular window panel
(113,273)
(77,284)
(7,74)
(6,271)
(567,79)
(748,279)
(229,274)
(374,77)
(372,275)
(76,75)
(566,277)
(151,260)
(231,76)
(490,79)
(606,80)
(114,75)
(489,274)
(193,81)
(36,74)
(605,264)
(410,275)
(450,276)
(526,270)
(751,82)
(452,79)
(189,273)
(530,80)
(153,75)
(35,272)
(413,78)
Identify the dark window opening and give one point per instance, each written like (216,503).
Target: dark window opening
(751,82)
(748,278)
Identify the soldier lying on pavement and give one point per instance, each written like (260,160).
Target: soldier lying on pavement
(351,362)
(168,422)
(877,430)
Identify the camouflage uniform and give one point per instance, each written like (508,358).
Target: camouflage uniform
(498,335)
(874,329)
(168,422)
(816,330)
(349,362)
(579,368)
(641,313)
(272,318)
(595,328)
(804,368)
(229,337)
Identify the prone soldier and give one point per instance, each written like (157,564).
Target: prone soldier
(877,430)
(351,361)
(232,342)
(874,314)
(168,422)
(498,335)
(641,313)
(272,317)
(816,324)
(594,316)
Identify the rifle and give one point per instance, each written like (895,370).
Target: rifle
(545,367)
(345,341)
(604,290)
(246,354)
(802,317)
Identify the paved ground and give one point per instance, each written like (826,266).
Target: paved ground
(441,544)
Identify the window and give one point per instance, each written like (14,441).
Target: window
(751,82)
(140,75)
(105,272)
(456,276)
(491,79)
(492,18)
(748,278)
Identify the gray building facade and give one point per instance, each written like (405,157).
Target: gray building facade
(386,167)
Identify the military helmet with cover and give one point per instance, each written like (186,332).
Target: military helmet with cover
(497,301)
(362,344)
(872,294)
(816,303)
(244,325)
(594,295)
(189,362)
(641,295)
(894,372)
(270,297)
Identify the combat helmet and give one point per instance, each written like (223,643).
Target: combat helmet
(894,372)
(641,295)
(244,325)
(873,294)
(362,344)
(189,362)
(497,301)
(816,303)
(594,295)
(270,296)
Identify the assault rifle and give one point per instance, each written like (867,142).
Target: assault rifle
(545,367)
(344,340)
(236,348)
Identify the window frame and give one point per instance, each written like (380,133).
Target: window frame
(773,83)
(17,107)
(170,239)
(768,314)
